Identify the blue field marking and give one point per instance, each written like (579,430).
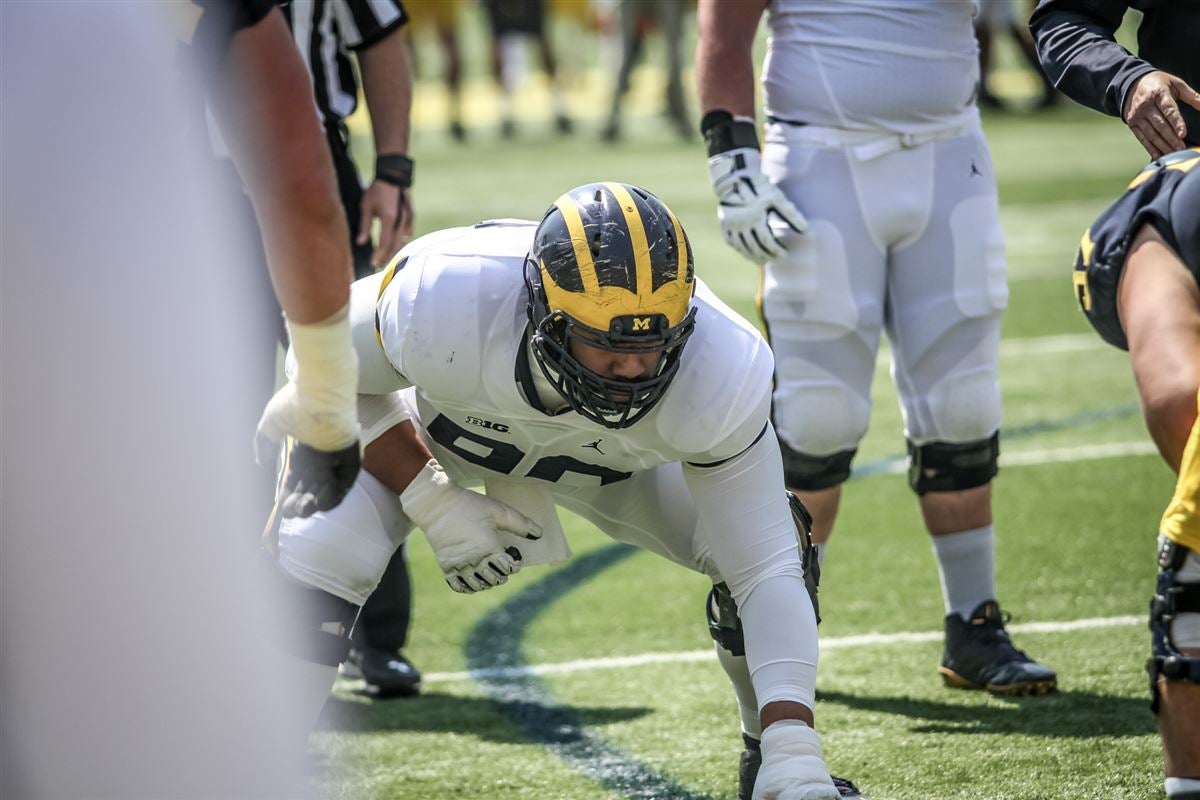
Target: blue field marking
(495,641)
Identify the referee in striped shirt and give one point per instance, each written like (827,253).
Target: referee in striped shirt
(327,32)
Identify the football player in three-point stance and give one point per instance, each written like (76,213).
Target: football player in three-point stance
(873,208)
(576,362)
(1137,278)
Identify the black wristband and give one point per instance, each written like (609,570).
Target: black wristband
(722,132)
(394,168)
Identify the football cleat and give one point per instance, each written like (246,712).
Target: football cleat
(748,766)
(751,760)
(979,655)
(386,674)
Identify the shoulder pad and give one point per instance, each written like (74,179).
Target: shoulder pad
(376,375)
(438,312)
(720,399)
(1147,199)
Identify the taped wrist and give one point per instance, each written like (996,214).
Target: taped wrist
(724,132)
(394,168)
(326,379)
(429,495)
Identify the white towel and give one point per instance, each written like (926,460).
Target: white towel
(537,503)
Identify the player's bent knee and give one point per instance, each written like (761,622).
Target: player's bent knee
(319,623)
(1174,619)
(343,551)
(809,473)
(962,407)
(819,418)
(724,622)
(953,466)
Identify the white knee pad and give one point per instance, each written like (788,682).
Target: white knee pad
(964,406)
(818,416)
(345,550)
(792,765)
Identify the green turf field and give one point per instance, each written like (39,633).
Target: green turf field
(1076,504)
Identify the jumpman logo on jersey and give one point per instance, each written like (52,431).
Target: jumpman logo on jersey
(595,446)
(974,170)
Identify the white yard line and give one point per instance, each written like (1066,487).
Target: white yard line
(827,643)
(1054,455)
(1061,343)
(1082,453)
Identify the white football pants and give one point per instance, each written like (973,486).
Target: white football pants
(904,237)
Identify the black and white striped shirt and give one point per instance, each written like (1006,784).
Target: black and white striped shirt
(326,31)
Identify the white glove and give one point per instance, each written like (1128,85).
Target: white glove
(792,765)
(461,527)
(747,202)
(317,410)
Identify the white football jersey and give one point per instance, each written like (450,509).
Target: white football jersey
(907,66)
(452,321)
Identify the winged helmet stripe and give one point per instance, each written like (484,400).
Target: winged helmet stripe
(583,256)
(637,237)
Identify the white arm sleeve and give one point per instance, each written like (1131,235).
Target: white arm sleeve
(745,517)
(379,413)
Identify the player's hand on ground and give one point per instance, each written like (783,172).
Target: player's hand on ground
(463,529)
(1152,111)
(747,203)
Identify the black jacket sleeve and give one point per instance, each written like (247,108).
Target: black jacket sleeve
(1076,45)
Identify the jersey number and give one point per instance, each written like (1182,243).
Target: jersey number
(503,457)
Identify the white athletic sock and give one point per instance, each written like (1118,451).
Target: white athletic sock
(967,565)
(739,675)
(313,684)
(821,548)
(1177,787)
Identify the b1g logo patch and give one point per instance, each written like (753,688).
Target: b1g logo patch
(498,427)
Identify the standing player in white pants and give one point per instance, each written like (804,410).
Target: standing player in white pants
(873,208)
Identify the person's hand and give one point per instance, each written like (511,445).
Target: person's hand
(392,206)
(313,478)
(316,480)
(317,413)
(462,527)
(748,201)
(1152,112)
